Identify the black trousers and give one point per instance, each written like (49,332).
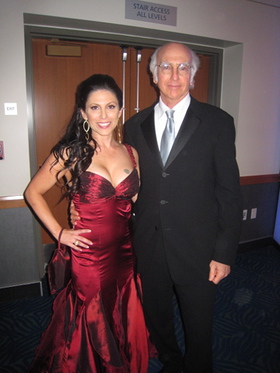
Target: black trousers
(196,299)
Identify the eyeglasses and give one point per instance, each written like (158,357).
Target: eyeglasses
(167,68)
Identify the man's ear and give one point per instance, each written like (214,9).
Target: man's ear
(192,84)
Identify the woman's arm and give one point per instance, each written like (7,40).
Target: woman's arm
(44,180)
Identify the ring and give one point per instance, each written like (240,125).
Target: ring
(76,243)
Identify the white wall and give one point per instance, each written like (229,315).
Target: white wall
(255,25)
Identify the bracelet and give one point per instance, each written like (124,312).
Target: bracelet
(60,234)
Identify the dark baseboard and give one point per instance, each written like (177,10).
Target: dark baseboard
(21,291)
(257,244)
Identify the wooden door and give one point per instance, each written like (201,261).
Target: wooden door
(56,75)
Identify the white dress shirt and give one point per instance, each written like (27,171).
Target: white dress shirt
(161,118)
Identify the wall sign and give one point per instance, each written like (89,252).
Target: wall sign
(151,12)
(10,109)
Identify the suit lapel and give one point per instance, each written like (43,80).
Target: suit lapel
(188,127)
(148,128)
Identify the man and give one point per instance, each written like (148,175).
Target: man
(188,213)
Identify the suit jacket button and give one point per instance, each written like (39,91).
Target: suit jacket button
(163,202)
(164,174)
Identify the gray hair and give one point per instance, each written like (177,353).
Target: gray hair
(194,64)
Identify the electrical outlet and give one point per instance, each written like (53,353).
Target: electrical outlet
(254,213)
(245,212)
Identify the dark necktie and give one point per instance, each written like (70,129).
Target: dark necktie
(168,136)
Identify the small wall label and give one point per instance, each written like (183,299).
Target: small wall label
(10,108)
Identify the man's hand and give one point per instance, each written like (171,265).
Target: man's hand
(74,215)
(218,271)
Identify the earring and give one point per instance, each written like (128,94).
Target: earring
(86,128)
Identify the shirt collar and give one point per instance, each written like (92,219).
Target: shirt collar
(182,105)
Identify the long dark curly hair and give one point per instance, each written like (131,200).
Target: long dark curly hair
(74,149)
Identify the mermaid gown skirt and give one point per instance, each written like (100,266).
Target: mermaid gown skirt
(98,323)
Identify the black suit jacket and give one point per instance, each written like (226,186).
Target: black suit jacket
(195,198)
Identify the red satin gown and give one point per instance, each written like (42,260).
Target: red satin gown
(98,323)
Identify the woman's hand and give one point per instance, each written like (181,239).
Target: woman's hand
(73,239)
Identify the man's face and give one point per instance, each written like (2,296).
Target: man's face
(172,85)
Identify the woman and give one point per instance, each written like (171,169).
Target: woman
(98,323)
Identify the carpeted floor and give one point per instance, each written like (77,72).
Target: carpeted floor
(246,327)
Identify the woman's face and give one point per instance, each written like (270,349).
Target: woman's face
(102,112)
